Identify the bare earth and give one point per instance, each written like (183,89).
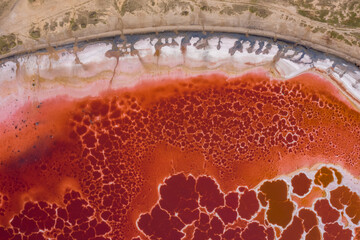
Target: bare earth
(329,26)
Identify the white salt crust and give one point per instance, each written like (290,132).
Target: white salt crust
(88,71)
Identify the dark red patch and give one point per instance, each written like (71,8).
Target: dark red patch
(210,195)
(293,231)
(313,234)
(232,200)
(325,211)
(333,231)
(248,204)
(158,225)
(301,184)
(226,214)
(254,232)
(178,195)
(309,218)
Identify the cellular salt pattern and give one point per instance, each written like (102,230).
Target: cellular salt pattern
(203,157)
(237,214)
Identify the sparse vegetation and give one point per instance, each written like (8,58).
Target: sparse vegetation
(343,13)
(336,35)
(93,15)
(234,9)
(319,29)
(3,6)
(130,6)
(7,42)
(53,25)
(35,33)
(73,25)
(356,35)
(83,19)
(46,26)
(348,42)
(93,18)
(353,21)
(259,11)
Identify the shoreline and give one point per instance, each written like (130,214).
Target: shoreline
(205,29)
(82,66)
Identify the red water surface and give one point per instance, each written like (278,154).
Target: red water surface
(179,159)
